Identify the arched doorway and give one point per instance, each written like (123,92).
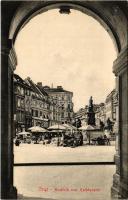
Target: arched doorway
(112,16)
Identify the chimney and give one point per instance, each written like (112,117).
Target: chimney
(59,87)
(39,84)
(28,78)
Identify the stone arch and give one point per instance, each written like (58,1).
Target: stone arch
(113,17)
(28,10)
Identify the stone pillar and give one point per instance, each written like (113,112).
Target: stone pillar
(120,178)
(8,63)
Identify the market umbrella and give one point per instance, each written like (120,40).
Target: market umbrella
(57,127)
(37,129)
(69,126)
(86,127)
(89,127)
(23,133)
(54,131)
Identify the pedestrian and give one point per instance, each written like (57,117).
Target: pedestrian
(17,142)
(81,139)
(43,139)
(105,139)
(108,139)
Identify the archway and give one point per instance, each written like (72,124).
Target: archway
(112,16)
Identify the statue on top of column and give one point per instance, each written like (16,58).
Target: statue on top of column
(91,113)
(90,104)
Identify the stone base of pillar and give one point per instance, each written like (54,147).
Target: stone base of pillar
(124,189)
(119,190)
(115,194)
(115,189)
(13,193)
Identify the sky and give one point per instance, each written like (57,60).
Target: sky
(73,51)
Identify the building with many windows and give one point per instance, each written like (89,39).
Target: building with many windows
(22,104)
(111,105)
(39,105)
(81,114)
(100,114)
(53,107)
(63,100)
(35,105)
(103,111)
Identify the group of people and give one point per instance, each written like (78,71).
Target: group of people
(106,126)
(59,139)
(64,139)
(17,141)
(73,140)
(102,140)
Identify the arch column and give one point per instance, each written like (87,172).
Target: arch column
(120,178)
(8,64)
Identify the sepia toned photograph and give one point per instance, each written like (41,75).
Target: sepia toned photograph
(64,100)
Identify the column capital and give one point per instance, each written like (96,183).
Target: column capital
(9,51)
(121,63)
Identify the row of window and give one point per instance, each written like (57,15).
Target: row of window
(20,116)
(20,103)
(40,104)
(37,113)
(62,97)
(21,91)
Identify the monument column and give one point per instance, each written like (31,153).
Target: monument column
(120,178)
(8,64)
(91,113)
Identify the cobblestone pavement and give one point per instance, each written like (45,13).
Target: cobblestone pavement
(40,153)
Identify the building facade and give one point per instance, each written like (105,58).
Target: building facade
(22,102)
(100,114)
(35,105)
(111,105)
(103,111)
(63,101)
(81,115)
(53,107)
(39,105)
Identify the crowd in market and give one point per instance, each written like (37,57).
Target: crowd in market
(58,139)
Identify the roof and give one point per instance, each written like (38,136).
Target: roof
(110,96)
(58,89)
(35,88)
(17,79)
(42,90)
